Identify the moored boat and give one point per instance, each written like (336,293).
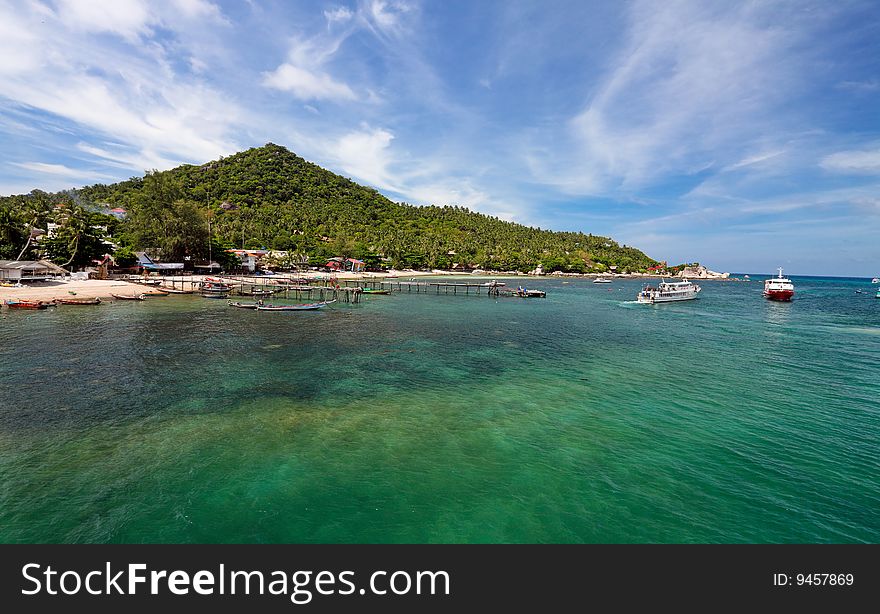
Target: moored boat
(303,307)
(375,291)
(876,280)
(243,305)
(778,288)
(130,297)
(78,301)
(215,289)
(526,293)
(18,304)
(601,280)
(668,292)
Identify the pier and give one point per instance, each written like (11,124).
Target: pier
(343,290)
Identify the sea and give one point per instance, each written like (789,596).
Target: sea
(581,417)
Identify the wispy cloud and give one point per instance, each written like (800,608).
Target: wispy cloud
(137,100)
(364,154)
(60,170)
(860,162)
(340,13)
(306,84)
(694,84)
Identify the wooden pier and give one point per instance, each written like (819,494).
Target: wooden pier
(342,290)
(425,287)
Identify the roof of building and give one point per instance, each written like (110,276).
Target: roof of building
(24,265)
(32,265)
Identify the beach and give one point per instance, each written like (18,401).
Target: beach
(79,288)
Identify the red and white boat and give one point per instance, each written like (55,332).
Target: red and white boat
(778,288)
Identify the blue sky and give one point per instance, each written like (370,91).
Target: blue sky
(743,135)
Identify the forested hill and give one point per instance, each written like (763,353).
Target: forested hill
(270,197)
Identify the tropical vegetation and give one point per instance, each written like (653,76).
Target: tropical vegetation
(270,198)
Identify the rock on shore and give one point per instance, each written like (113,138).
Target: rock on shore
(701,272)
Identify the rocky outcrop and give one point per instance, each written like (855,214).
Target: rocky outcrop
(701,272)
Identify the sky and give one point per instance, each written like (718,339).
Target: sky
(743,135)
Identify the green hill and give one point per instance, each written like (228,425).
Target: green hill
(270,197)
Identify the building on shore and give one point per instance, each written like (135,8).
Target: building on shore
(147,264)
(30,270)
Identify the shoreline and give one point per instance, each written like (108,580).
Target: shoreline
(104,288)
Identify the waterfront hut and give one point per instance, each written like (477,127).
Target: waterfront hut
(13,271)
(148,265)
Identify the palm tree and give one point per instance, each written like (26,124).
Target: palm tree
(35,208)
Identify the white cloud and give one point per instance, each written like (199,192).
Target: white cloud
(338,14)
(694,84)
(126,18)
(860,162)
(200,9)
(94,84)
(19,47)
(59,170)
(364,154)
(753,160)
(387,15)
(306,84)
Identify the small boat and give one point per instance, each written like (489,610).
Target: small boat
(158,292)
(496,284)
(17,304)
(130,297)
(305,307)
(375,291)
(601,280)
(174,290)
(215,289)
(259,293)
(778,288)
(668,292)
(78,301)
(243,305)
(526,293)
(876,280)
(878,294)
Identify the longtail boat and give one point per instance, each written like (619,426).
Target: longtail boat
(130,297)
(174,290)
(16,304)
(243,305)
(215,289)
(78,301)
(305,307)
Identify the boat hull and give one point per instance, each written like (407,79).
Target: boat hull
(778,295)
(27,305)
(665,299)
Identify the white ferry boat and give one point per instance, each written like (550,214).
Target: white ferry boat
(778,288)
(669,291)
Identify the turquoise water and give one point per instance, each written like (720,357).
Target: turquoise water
(409,418)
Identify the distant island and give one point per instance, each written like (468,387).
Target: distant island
(270,198)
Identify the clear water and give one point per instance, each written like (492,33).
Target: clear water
(581,417)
